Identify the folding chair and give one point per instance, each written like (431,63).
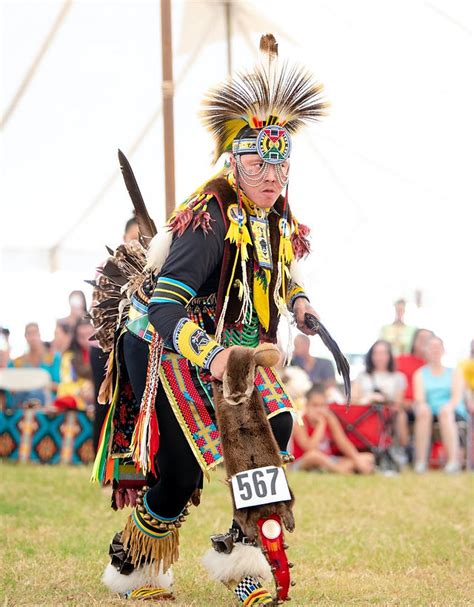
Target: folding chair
(369,428)
(26,380)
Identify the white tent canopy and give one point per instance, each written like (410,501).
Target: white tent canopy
(384,183)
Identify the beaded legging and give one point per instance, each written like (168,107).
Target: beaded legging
(179,472)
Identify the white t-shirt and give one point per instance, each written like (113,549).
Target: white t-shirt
(391,384)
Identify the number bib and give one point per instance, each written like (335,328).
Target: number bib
(260,486)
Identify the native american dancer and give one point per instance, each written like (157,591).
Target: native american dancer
(171,309)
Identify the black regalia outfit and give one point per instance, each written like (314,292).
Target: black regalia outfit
(223,274)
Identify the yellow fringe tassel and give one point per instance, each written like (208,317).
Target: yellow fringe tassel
(156,551)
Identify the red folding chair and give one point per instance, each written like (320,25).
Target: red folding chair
(369,428)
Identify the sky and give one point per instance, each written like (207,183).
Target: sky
(384,182)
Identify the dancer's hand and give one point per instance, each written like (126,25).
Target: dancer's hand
(300,308)
(219,364)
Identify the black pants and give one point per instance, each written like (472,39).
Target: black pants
(179,471)
(98,362)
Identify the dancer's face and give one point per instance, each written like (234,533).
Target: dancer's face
(265,194)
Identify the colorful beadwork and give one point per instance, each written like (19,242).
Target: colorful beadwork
(169,290)
(251,592)
(148,592)
(274,144)
(194,343)
(261,240)
(270,387)
(189,392)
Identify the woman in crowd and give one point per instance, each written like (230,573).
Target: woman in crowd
(37,356)
(438,392)
(78,309)
(62,337)
(408,364)
(311,441)
(381,383)
(75,389)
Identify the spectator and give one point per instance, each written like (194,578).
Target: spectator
(76,390)
(4,360)
(38,357)
(78,309)
(62,337)
(380,383)
(297,385)
(398,334)
(311,442)
(438,394)
(319,370)
(4,347)
(131,230)
(467,368)
(408,364)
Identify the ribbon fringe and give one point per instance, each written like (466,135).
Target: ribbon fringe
(146,436)
(153,551)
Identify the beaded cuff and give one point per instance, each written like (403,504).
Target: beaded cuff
(193,343)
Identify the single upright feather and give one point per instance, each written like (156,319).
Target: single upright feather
(146,225)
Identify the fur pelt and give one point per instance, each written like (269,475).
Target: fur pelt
(242,561)
(246,436)
(141,576)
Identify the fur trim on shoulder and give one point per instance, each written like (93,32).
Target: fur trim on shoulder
(221,189)
(141,576)
(158,250)
(242,561)
(296,274)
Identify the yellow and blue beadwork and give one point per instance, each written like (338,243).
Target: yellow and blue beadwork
(169,290)
(193,343)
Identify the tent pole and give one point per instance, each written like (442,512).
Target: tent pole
(168,118)
(228,33)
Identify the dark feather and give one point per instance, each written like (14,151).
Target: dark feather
(146,225)
(342,364)
(110,251)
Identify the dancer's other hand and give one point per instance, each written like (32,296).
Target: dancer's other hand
(300,308)
(219,364)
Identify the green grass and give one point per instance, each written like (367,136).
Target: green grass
(406,540)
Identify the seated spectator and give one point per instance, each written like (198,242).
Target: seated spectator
(37,356)
(438,394)
(297,385)
(4,347)
(408,364)
(78,309)
(319,370)
(311,442)
(4,360)
(76,390)
(398,334)
(467,369)
(62,337)
(380,383)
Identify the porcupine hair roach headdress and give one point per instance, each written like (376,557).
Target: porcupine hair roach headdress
(272,94)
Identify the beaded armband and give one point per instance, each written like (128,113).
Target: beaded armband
(294,291)
(193,343)
(169,290)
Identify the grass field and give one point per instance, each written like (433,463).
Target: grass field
(406,540)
